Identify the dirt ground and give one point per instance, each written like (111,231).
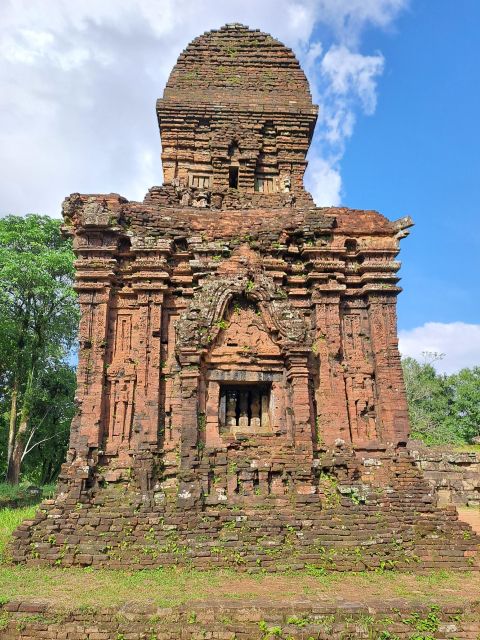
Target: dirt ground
(470,516)
(72,588)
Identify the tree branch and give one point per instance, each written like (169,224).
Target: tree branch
(27,451)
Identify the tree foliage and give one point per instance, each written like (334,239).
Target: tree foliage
(38,324)
(443,409)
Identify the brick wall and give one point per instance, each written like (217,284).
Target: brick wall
(377,514)
(455,475)
(22,620)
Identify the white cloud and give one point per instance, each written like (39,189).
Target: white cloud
(323,181)
(79,82)
(352,75)
(344,83)
(350,17)
(459,341)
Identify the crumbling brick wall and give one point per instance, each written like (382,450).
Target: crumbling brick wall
(454,475)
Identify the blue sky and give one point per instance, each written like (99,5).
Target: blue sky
(419,154)
(398,86)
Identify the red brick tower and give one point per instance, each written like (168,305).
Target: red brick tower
(238,344)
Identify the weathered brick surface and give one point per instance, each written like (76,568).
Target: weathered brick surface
(454,475)
(226,620)
(373,514)
(240,395)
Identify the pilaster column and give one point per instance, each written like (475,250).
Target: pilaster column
(149,279)
(94,289)
(392,410)
(297,377)
(332,413)
(212,426)
(94,224)
(189,484)
(146,352)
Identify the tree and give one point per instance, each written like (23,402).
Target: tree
(52,411)
(465,414)
(39,318)
(443,409)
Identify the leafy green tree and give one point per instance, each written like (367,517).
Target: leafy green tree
(428,398)
(443,409)
(39,318)
(53,408)
(465,407)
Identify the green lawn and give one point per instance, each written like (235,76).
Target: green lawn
(9,520)
(73,588)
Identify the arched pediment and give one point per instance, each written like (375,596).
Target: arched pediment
(199,325)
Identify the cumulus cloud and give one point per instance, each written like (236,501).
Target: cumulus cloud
(79,82)
(352,75)
(349,18)
(344,82)
(458,341)
(323,180)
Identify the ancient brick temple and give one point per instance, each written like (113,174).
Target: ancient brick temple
(239,377)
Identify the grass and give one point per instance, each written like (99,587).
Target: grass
(76,587)
(17,495)
(73,588)
(9,520)
(11,517)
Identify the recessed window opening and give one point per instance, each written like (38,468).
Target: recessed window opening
(244,407)
(233,177)
(180,245)
(233,151)
(350,246)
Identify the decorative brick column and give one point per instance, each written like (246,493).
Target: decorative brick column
(188,481)
(297,378)
(392,411)
(212,429)
(149,281)
(332,419)
(95,273)
(87,432)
